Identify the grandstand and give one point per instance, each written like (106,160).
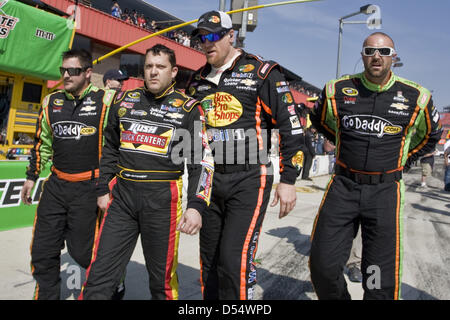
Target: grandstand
(100,32)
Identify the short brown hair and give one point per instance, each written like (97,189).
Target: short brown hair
(83,56)
(158,48)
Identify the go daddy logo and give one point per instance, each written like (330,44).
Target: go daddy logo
(370,125)
(72,130)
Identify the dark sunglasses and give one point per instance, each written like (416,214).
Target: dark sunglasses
(213,36)
(384,51)
(72,71)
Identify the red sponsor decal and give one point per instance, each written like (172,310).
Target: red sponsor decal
(144,138)
(128,105)
(351,100)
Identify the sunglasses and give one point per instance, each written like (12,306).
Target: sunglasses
(72,71)
(383,51)
(213,36)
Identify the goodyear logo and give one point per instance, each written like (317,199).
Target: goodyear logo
(370,125)
(221,109)
(350,92)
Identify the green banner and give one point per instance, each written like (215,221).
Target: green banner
(32,40)
(13,213)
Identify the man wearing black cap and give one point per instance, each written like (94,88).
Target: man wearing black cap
(243,97)
(113,79)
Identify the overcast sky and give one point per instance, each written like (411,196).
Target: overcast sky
(304,37)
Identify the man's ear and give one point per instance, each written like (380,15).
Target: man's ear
(231,34)
(174,72)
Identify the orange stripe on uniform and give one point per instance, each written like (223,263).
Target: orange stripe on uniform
(338,126)
(411,122)
(97,237)
(320,207)
(323,116)
(172,293)
(36,290)
(397,245)
(38,145)
(248,238)
(427,135)
(100,134)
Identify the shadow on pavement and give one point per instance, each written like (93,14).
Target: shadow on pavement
(288,280)
(411,293)
(429,209)
(136,281)
(301,242)
(280,287)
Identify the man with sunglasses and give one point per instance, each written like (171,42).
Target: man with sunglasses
(380,124)
(69,132)
(244,97)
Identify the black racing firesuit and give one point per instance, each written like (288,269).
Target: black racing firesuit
(69,132)
(377,131)
(251,98)
(145,141)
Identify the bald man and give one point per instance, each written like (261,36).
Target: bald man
(380,123)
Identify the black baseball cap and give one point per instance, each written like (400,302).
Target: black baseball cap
(114,74)
(213,21)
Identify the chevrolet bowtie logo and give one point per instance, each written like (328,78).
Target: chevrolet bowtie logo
(88,108)
(248,82)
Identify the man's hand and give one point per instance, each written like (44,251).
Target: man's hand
(25,193)
(286,193)
(190,222)
(102,202)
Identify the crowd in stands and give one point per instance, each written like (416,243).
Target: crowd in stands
(301,89)
(141,21)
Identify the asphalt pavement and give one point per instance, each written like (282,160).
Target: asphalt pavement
(283,251)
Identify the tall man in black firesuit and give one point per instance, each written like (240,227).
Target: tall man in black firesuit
(150,131)
(380,124)
(69,133)
(243,97)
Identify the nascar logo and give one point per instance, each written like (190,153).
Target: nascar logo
(352,92)
(370,125)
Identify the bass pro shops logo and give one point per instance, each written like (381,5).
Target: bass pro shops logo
(7,23)
(221,109)
(370,125)
(72,130)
